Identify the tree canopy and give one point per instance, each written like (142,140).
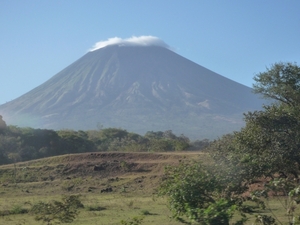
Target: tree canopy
(29,143)
(280,82)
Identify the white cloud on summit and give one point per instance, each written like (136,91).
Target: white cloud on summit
(133,41)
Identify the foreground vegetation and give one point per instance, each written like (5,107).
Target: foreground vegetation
(134,190)
(109,209)
(257,163)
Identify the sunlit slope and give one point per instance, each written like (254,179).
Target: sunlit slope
(138,89)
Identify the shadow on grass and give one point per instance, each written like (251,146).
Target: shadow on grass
(94,208)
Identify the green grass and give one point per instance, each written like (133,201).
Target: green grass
(131,197)
(109,209)
(99,209)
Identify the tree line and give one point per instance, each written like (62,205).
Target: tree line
(25,143)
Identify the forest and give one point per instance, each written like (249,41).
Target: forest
(19,144)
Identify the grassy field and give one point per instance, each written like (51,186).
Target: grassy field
(98,209)
(133,178)
(110,209)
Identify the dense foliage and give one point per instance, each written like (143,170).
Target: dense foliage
(196,192)
(266,149)
(21,144)
(270,141)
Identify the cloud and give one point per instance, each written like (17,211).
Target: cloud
(133,41)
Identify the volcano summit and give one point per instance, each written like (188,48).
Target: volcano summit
(136,86)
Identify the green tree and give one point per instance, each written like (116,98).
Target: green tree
(196,192)
(281,82)
(154,134)
(166,141)
(74,142)
(8,145)
(199,144)
(270,141)
(268,146)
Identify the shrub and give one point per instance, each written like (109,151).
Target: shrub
(18,209)
(64,211)
(145,212)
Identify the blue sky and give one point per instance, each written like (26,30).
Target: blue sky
(235,38)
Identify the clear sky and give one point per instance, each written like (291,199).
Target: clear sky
(235,38)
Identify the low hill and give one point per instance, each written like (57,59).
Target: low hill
(91,172)
(112,186)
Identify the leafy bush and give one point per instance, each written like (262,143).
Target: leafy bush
(64,211)
(195,192)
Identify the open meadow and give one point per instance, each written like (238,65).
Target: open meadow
(127,182)
(112,186)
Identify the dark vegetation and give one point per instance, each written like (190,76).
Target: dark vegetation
(23,144)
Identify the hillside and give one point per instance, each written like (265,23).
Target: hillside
(91,173)
(136,88)
(112,186)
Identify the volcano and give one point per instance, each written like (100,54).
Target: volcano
(137,88)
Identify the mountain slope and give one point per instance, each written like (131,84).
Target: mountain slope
(136,88)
